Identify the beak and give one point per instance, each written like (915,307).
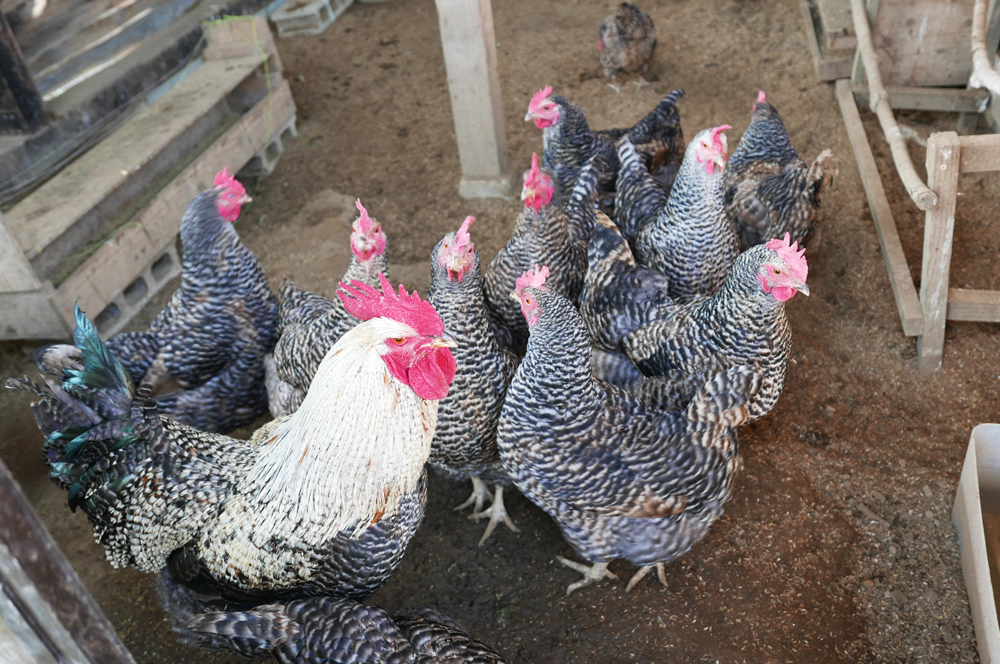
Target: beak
(444,341)
(803,289)
(529,116)
(720,161)
(245,200)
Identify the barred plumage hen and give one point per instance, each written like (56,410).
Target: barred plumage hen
(622,480)
(321,502)
(627,43)
(309,324)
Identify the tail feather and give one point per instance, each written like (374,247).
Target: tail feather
(102,384)
(820,175)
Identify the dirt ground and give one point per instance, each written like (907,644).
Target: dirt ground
(838,544)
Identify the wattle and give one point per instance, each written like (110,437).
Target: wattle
(542,123)
(431,376)
(782,293)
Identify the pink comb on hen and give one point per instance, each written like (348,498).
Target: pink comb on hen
(364,302)
(462,237)
(538,187)
(534,279)
(539,97)
(719,139)
(795,259)
(363,224)
(761,98)
(224,179)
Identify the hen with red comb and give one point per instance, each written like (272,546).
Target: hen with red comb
(464,445)
(769,189)
(309,324)
(690,240)
(744,324)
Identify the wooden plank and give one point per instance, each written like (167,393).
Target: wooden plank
(54,584)
(980,153)
(31,315)
(929,99)
(15,270)
(943,155)
(835,19)
(237,37)
(112,267)
(978,306)
(828,68)
(924,43)
(90,180)
(910,313)
(470,58)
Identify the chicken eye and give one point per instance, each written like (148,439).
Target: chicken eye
(777,271)
(398,340)
(377,231)
(527,300)
(445,245)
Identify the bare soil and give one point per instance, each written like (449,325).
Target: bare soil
(838,544)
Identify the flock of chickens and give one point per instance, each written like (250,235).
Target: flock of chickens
(601,363)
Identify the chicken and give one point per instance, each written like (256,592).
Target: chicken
(464,444)
(691,241)
(627,42)
(769,189)
(639,199)
(203,355)
(744,324)
(569,143)
(582,203)
(323,501)
(619,296)
(321,630)
(622,480)
(541,235)
(309,324)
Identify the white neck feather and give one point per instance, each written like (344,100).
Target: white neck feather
(353,449)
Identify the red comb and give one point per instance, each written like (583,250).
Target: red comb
(538,187)
(364,302)
(789,252)
(462,237)
(224,179)
(364,222)
(539,97)
(761,98)
(534,279)
(718,139)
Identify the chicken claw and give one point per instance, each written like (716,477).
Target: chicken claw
(480,492)
(496,514)
(591,573)
(661,573)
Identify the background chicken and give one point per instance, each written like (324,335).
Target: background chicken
(622,480)
(769,189)
(323,630)
(619,296)
(744,324)
(690,241)
(570,144)
(309,324)
(323,501)
(465,443)
(627,42)
(203,355)
(541,235)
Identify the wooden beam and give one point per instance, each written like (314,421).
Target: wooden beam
(827,68)
(929,99)
(943,154)
(980,153)
(903,289)
(976,306)
(54,592)
(470,58)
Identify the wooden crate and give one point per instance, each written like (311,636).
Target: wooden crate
(94,233)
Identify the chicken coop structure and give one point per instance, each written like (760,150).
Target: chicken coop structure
(909,53)
(102,232)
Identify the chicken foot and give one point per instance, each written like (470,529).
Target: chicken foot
(480,492)
(495,512)
(591,573)
(661,573)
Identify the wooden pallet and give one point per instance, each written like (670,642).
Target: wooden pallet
(126,196)
(307,17)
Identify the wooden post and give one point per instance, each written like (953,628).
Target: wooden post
(40,586)
(470,58)
(943,158)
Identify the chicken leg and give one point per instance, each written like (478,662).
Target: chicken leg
(591,573)
(661,573)
(495,512)
(480,492)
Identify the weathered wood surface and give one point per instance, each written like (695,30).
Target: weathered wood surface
(829,65)
(943,154)
(112,267)
(924,43)
(46,587)
(950,100)
(980,153)
(978,306)
(109,167)
(835,19)
(905,293)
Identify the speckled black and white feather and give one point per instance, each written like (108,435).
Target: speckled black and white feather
(621,479)
(639,199)
(465,439)
(740,326)
(769,190)
(327,630)
(308,326)
(204,353)
(691,241)
(581,206)
(540,238)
